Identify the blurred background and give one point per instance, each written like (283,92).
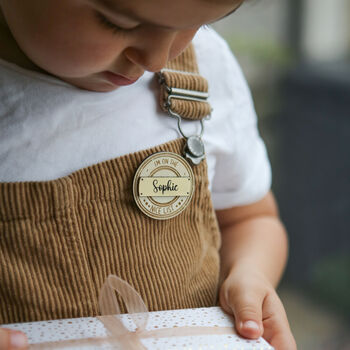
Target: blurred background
(296,57)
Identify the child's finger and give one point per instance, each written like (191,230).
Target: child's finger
(276,327)
(11,340)
(282,341)
(247,310)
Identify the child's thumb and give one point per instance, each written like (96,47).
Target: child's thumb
(11,340)
(248,317)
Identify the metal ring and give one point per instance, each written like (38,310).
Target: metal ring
(179,119)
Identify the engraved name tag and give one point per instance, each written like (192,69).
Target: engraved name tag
(164,186)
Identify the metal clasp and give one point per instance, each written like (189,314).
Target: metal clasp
(182,94)
(194,148)
(188,95)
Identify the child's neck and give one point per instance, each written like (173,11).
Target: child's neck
(9,49)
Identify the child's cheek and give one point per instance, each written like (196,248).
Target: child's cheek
(67,43)
(183,39)
(80,50)
(80,53)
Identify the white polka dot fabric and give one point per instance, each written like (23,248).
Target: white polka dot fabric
(90,327)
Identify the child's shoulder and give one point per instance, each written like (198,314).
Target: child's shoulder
(212,49)
(210,41)
(215,57)
(217,63)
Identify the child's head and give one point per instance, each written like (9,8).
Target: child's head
(80,40)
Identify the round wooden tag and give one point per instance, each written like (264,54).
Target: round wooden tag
(163,185)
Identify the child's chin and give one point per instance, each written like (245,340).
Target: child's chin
(100,87)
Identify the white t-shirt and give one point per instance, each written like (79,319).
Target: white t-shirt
(49,128)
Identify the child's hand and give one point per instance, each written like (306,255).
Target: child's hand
(257,309)
(11,340)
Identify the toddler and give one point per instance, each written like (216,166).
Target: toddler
(91,162)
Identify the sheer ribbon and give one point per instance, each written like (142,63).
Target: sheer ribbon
(119,336)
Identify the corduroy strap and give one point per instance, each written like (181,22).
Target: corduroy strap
(182,73)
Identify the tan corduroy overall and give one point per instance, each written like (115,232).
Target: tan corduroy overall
(60,239)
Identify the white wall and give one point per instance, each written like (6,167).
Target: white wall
(326,29)
(257,33)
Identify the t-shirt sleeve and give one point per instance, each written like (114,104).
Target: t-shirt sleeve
(242,169)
